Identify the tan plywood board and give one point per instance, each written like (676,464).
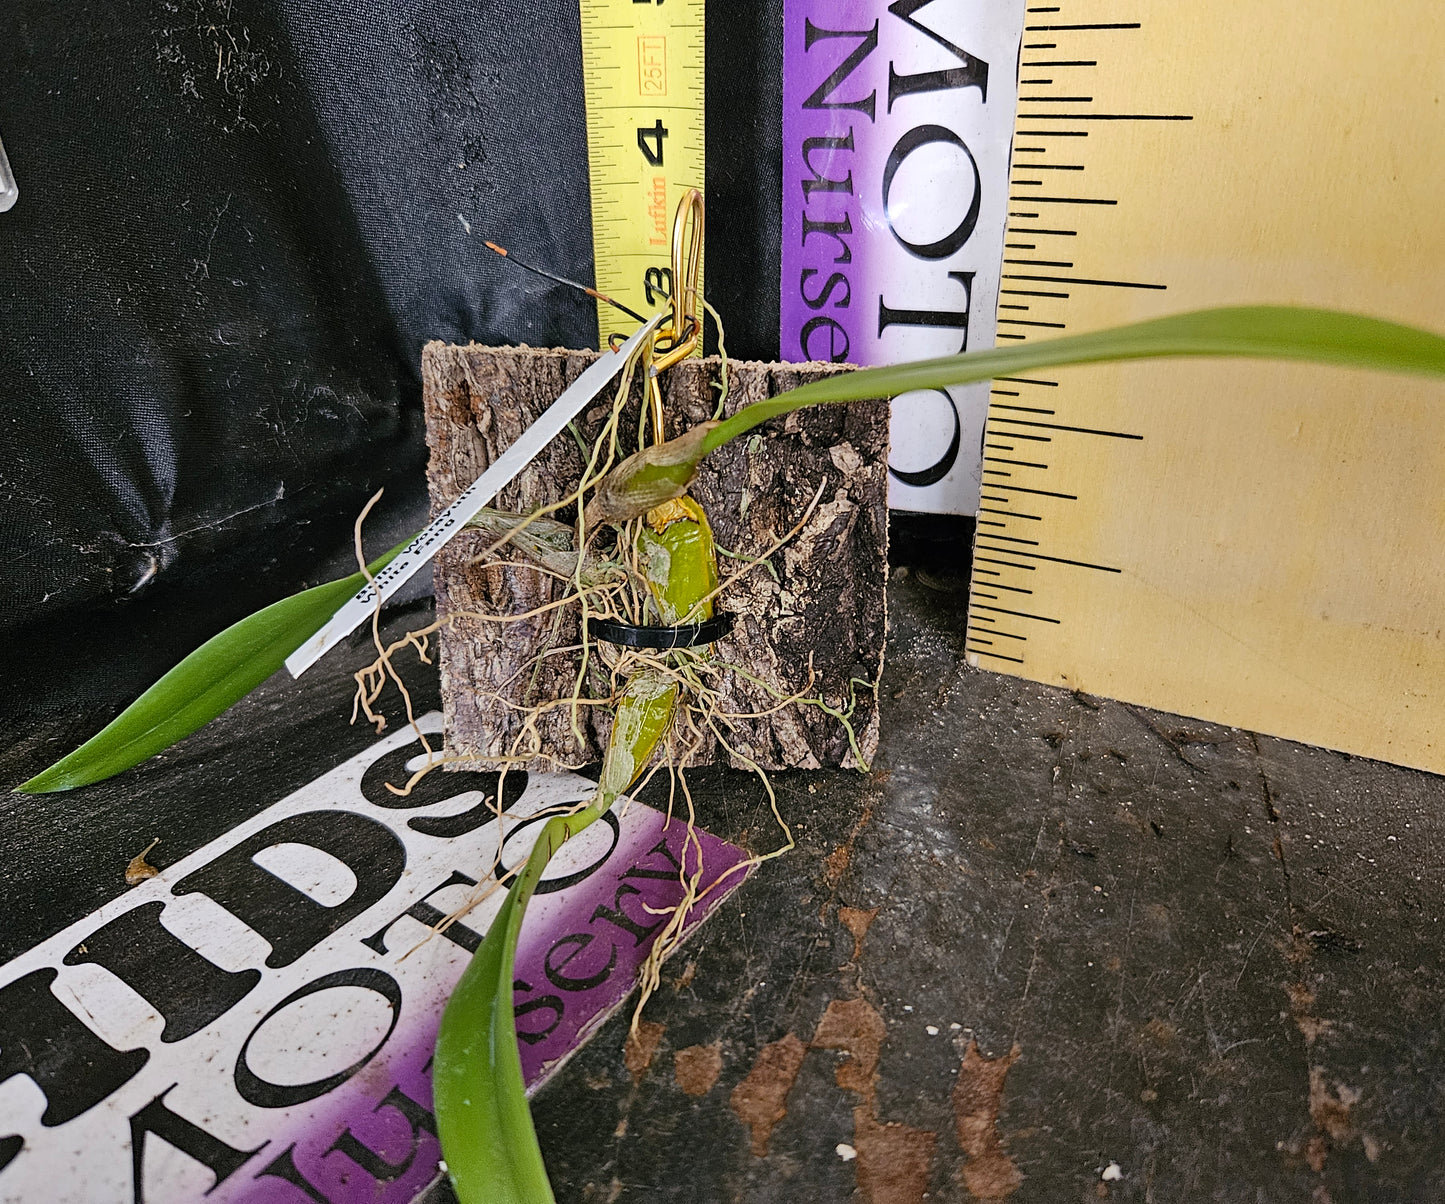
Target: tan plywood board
(1254,544)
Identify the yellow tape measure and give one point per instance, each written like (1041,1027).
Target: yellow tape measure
(643,76)
(1254,544)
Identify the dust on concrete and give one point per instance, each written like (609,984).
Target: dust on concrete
(1301,1005)
(853,1026)
(894,1159)
(641,1046)
(1330,1110)
(835,865)
(857,921)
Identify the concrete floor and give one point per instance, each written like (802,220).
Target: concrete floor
(1050,948)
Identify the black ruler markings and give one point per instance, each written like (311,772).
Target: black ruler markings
(1003,555)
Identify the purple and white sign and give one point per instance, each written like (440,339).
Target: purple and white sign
(897,123)
(256,1024)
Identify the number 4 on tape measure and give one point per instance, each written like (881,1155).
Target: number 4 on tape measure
(649,142)
(643,67)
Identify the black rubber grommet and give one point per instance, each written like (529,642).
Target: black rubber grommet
(629,635)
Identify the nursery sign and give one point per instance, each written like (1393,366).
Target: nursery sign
(897,119)
(256,1023)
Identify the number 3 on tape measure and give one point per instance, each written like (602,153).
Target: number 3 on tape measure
(643,67)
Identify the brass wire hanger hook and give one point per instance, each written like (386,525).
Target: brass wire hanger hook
(676,341)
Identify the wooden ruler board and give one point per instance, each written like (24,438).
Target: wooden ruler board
(1250,543)
(643,77)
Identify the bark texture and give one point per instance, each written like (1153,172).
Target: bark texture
(815,610)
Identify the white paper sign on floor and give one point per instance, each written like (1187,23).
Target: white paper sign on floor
(257,1023)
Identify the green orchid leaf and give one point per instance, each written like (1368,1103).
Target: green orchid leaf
(1260,331)
(220,672)
(479,1095)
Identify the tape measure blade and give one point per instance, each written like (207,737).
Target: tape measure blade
(644,70)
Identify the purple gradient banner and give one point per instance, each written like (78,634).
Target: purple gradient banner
(897,121)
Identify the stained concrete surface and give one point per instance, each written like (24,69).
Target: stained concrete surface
(1107,941)
(1048,938)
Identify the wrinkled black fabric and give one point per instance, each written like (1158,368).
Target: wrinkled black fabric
(239,221)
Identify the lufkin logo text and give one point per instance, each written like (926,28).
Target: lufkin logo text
(896,129)
(256,1024)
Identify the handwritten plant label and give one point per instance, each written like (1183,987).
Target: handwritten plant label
(257,1022)
(897,122)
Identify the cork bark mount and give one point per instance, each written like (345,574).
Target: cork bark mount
(820,598)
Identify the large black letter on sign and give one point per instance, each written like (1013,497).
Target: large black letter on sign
(819,182)
(577,942)
(256,1090)
(822,95)
(291,921)
(940,468)
(553,1003)
(825,291)
(837,352)
(284,1167)
(433,917)
(956,318)
(419,1120)
(435,788)
(832,230)
(617,915)
(186,1136)
(188,990)
(43,1038)
(550,886)
(973,73)
(905,146)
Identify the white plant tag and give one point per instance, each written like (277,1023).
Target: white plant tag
(472,499)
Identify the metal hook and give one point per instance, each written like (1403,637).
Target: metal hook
(651,388)
(685,330)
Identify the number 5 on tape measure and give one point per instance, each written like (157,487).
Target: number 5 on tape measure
(643,66)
